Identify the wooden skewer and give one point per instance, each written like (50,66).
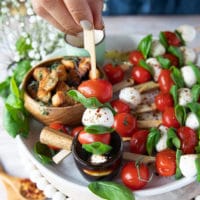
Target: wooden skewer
(125,83)
(145,108)
(148,86)
(148,123)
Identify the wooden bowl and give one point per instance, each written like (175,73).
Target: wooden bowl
(69,115)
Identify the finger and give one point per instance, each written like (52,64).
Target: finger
(79,10)
(96,8)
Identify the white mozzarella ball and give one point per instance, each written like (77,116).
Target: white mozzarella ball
(162,142)
(157,49)
(184,96)
(187,32)
(187,165)
(189,76)
(189,55)
(153,62)
(98,116)
(192,121)
(131,96)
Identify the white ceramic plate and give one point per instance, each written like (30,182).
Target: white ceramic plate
(66,177)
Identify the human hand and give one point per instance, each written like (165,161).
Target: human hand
(67,14)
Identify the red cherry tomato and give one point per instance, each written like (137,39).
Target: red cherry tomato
(169,118)
(140,75)
(135,176)
(76,130)
(138,141)
(166,162)
(120,106)
(172,58)
(163,100)
(101,89)
(115,74)
(87,138)
(124,124)
(189,139)
(135,57)
(172,38)
(165,81)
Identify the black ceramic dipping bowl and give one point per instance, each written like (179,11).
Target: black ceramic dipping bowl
(104,171)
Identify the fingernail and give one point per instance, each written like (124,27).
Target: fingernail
(86,24)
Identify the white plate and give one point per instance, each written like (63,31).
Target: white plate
(66,177)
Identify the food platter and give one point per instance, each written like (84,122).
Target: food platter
(65,176)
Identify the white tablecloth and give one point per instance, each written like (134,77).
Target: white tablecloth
(9,156)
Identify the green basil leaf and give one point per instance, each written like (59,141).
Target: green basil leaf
(197,164)
(197,148)
(179,35)
(22,46)
(180,113)
(145,45)
(43,153)
(174,93)
(97,129)
(177,77)
(15,102)
(196,71)
(111,191)
(14,88)
(195,108)
(152,139)
(195,92)
(5,88)
(178,174)
(163,39)
(98,148)
(172,139)
(143,64)
(176,52)
(164,62)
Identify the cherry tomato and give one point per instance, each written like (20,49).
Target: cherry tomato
(166,162)
(189,139)
(87,138)
(76,130)
(140,75)
(135,176)
(135,57)
(172,58)
(120,106)
(169,118)
(115,74)
(163,100)
(165,81)
(101,89)
(124,124)
(172,38)
(138,141)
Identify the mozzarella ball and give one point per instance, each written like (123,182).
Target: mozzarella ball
(187,32)
(187,165)
(189,55)
(153,62)
(157,49)
(162,142)
(131,96)
(98,116)
(189,76)
(184,96)
(192,121)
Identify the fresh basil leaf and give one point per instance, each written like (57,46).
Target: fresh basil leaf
(195,108)
(180,113)
(152,139)
(174,93)
(197,148)
(22,46)
(164,62)
(172,139)
(197,164)
(178,174)
(111,191)
(14,88)
(179,35)
(163,39)
(195,92)
(14,101)
(97,148)
(143,64)
(177,77)
(5,88)
(176,52)
(97,129)
(43,153)
(196,71)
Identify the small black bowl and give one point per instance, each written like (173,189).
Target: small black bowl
(104,171)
